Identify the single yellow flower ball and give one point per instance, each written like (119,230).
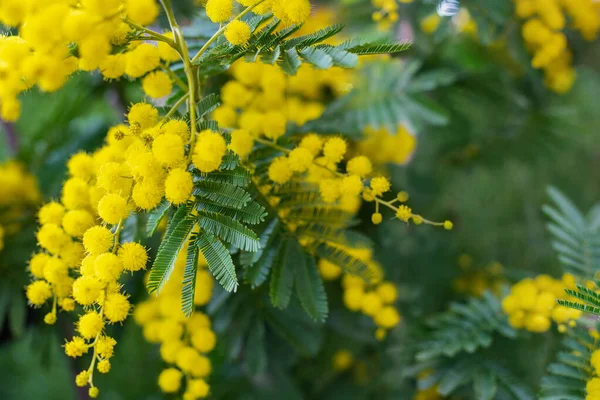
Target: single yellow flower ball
(157,84)
(330,190)
(147,194)
(280,170)
(76,348)
(169,380)
(312,143)
(448,225)
(51,213)
(387,317)
(237,32)
(403,213)
(142,12)
(300,159)
(351,185)
(37,264)
(113,208)
(108,267)
(219,10)
(82,378)
(116,307)
(97,240)
(90,325)
(376,218)
(86,290)
(274,124)
(204,340)
(179,186)
(104,366)
(133,256)
(360,166)
(241,142)
(379,185)
(198,388)
(81,165)
(328,270)
(387,292)
(371,303)
(334,149)
(93,392)
(145,115)
(52,238)
(38,292)
(209,151)
(169,149)
(342,360)
(353,298)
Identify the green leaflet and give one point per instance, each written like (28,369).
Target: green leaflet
(229,230)
(222,193)
(309,284)
(219,261)
(282,277)
(167,253)
(188,289)
(341,258)
(155,216)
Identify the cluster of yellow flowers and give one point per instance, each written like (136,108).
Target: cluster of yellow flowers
(82,257)
(375,298)
(184,342)
(543,33)
(532,304)
(475,281)
(593,385)
(59,37)
(19,193)
(382,146)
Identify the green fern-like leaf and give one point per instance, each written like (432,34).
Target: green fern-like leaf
(378,47)
(344,260)
(155,216)
(207,104)
(222,193)
(219,261)
(169,249)
(282,278)
(309,286)
(188,289)
(465,328)
(290,61)
(566,378)
(229,230)
(576,237)
(317,57)
(253,213)
(238,176)
(314,38)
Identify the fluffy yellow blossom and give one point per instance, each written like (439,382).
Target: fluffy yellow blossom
(209,151)
(157,84)
(237,32)
(380,185)
(113,208)
(342,360)
(219,10)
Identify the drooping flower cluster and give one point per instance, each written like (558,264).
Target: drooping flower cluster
(57,38)
(19,193)
(543,32)
(184,342)
(374,298)
(532,304)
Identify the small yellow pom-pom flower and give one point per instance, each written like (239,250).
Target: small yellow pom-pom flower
(51,213)
(241,142)
(280,170)
(360,166)
(67,304)
(143,115)
(82,378)
(166,52)
(38,292)
(178,186)
(403,213)
(387,317)
(76,348)
(94,392)
(169,380)
(402,197)
(237,32)
(342,360)
(448,225)
(371,304)
(112,177)
(300,159)
(204,340)
(328,270)
(387,292)
(274,124)
(353,298)
(209,151)
(168,149)
(81,165)
(10,109)
(198,388)
(379,185)
(86,290)
(330,190)
(37,264)
(219,10)
(351,185)
(113,208)
(90,325)
(157,84)
(104,367)
(133,256)
(97,240)
(108,267)
(312,143)
(376,218)
(291,12)
(52,238)
(116,307)
(76,222)
(147,194)
(334,149)
(142,12)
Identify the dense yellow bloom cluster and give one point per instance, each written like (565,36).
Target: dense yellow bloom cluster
(532,304)
(382,146)
(82,258)
(184,342)
(19,192)
(543,32)
(593,385)
(59,37)
(374,298)
(475,281)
